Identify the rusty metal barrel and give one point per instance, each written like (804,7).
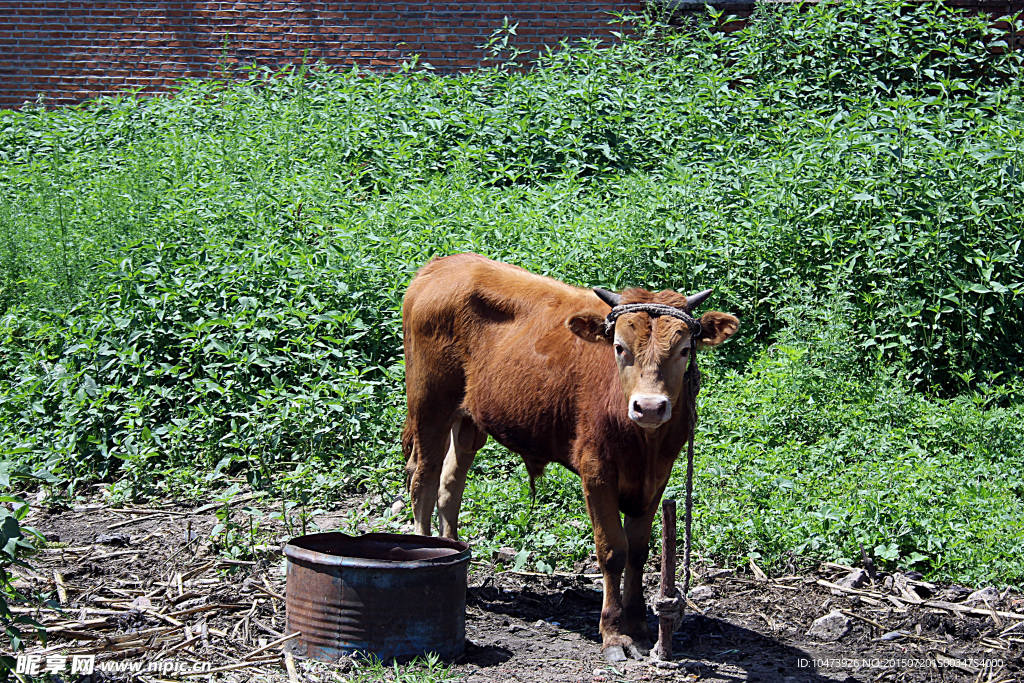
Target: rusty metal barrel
(393,596)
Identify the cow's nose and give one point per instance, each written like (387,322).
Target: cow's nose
(650,410)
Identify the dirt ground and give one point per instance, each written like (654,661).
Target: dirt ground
(142,585)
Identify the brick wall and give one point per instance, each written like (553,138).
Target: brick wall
(73,50)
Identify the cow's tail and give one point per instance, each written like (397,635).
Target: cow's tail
(407,450)
(535,469)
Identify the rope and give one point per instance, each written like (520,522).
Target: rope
(688,513)
(653,310)
(693,388)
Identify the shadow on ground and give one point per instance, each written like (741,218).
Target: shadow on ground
(511,621)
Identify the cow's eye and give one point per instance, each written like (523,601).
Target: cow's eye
(686,350)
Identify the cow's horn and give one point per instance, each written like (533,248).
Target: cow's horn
(610,298)
(695,300)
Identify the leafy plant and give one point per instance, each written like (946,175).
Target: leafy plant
(205,286)
(15,542)
(228,535)
(428,669)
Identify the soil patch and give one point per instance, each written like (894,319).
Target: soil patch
(144,585)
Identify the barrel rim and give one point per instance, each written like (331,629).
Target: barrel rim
(295,552)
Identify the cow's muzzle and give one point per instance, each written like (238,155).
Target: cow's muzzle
(650,410)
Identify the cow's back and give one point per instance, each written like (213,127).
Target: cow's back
(465,300)
(498,332)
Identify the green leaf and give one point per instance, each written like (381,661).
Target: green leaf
(90,385)
(519,561)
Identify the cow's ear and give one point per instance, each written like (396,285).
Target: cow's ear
(588,326)
(717,327)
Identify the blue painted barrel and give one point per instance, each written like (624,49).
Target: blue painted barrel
(393,596)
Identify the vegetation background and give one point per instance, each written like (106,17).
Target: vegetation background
(206,286)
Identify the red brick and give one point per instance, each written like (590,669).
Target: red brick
(101,46)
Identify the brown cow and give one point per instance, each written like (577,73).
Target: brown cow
(491,349)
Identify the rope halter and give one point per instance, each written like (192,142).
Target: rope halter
(655,311)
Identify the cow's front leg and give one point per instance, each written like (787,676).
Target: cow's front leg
(612,549)
(634,607)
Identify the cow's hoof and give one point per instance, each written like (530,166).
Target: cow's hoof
(614,653)
(620,653)
(644,644)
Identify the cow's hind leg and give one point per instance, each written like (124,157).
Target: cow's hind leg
(466,440)
(427,433)
(434,388)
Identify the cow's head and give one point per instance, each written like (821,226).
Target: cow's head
(652,352)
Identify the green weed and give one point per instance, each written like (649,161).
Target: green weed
(16,541)
(197,287)
(428,669)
